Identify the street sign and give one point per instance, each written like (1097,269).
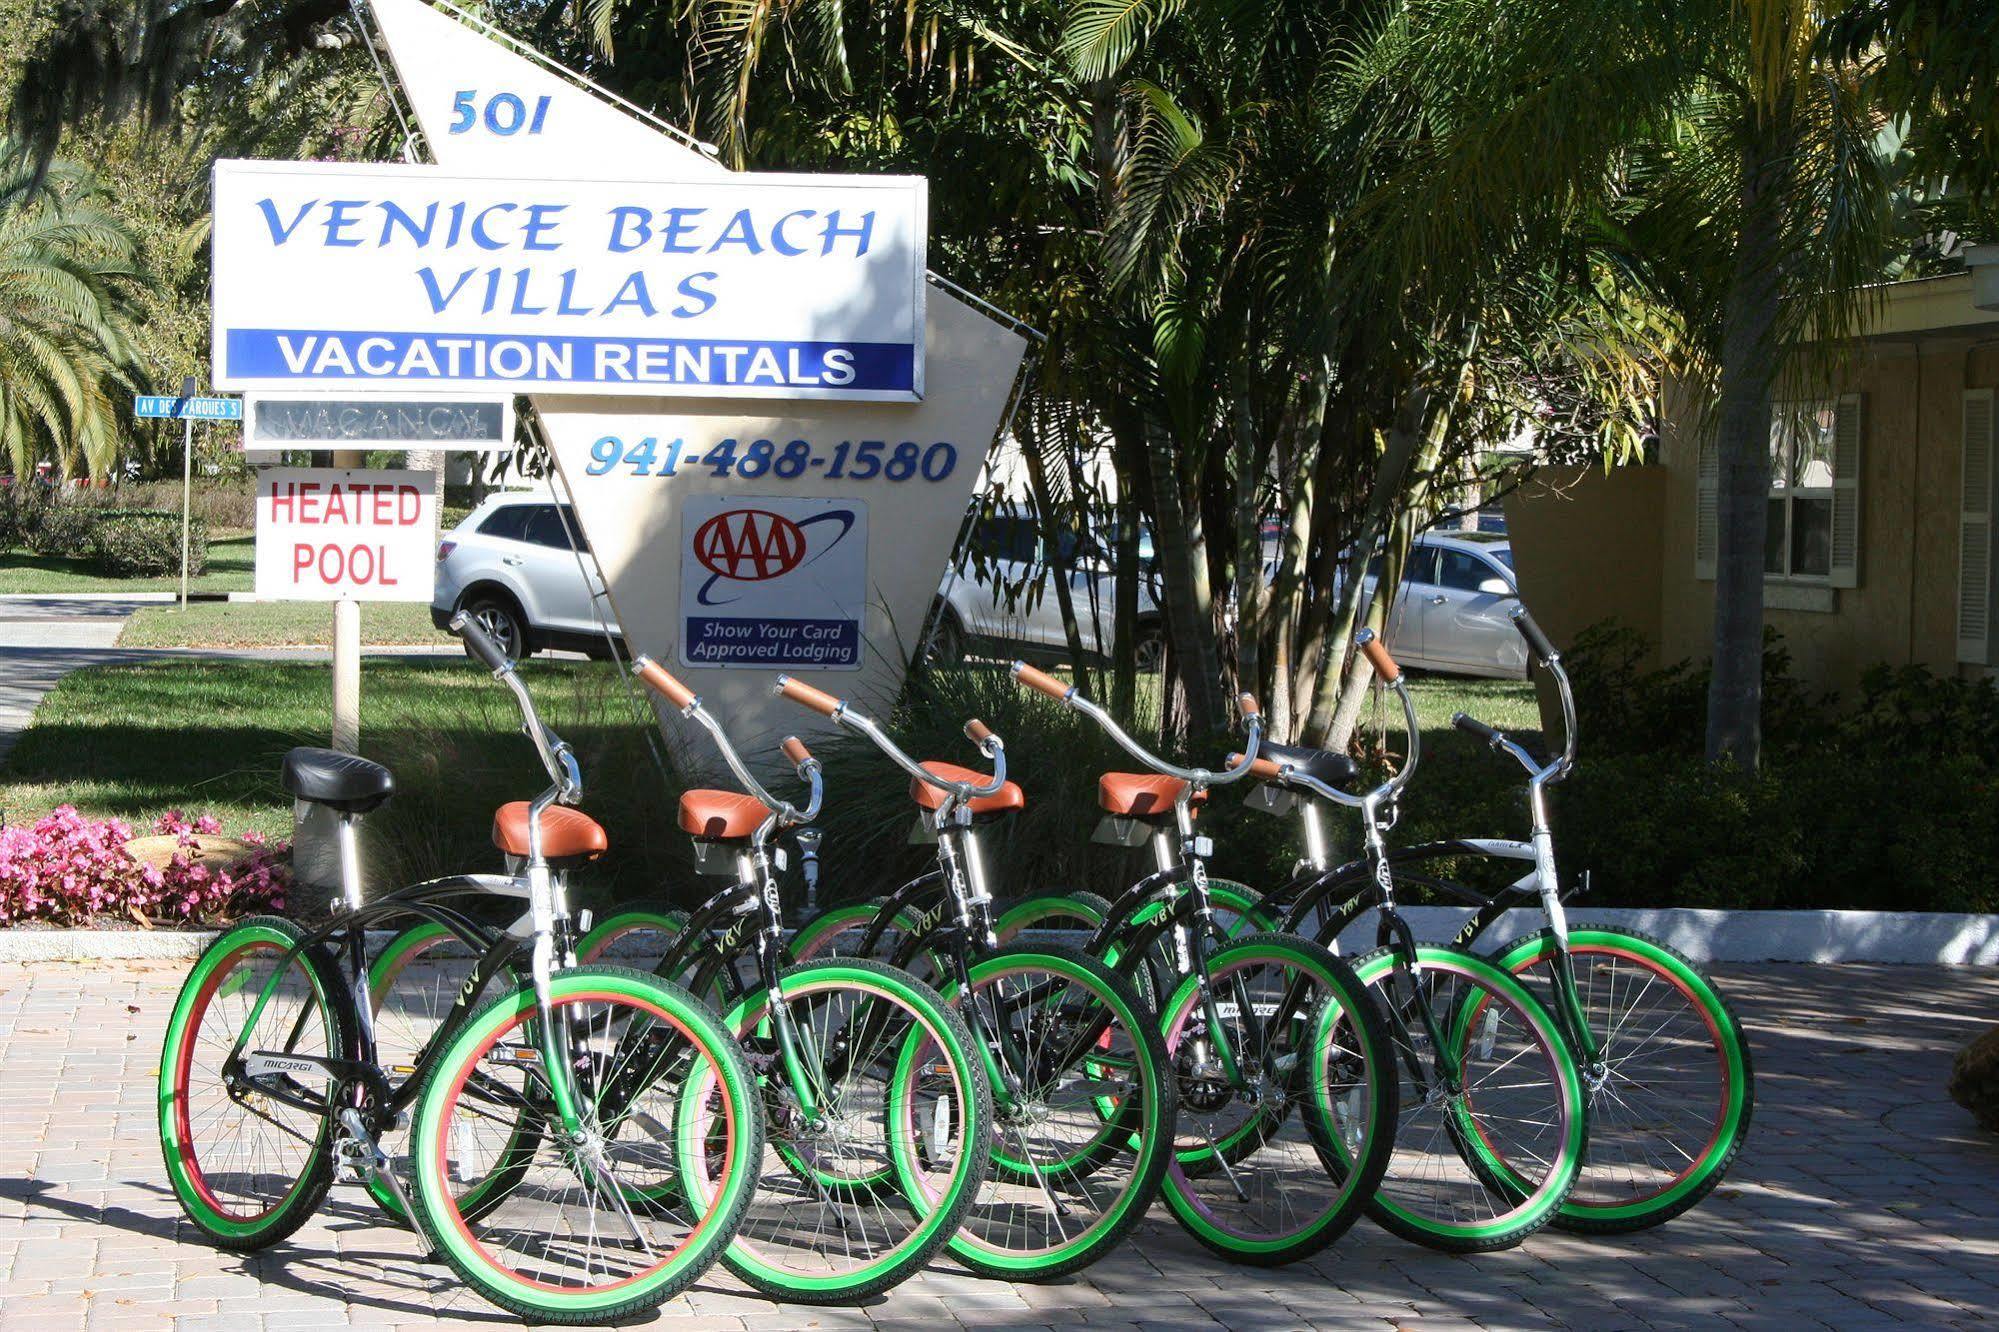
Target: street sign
(354,421)
(325,535)
(160,406)
(344,275)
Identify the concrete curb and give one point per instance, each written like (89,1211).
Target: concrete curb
(1909,938)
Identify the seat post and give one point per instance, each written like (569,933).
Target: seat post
(350,862)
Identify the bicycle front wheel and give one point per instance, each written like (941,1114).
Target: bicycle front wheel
(1672,1088)
(1083,1119)
(248,1149)
(600,1225)
(1493,1123)
(880,1123)
(1287,1100)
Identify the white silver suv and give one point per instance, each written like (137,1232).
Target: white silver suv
(1001,600)
(513,564)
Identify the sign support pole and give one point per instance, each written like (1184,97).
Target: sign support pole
(187,388)
(347,650)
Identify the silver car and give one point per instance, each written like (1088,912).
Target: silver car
(1452,612)
(512,564)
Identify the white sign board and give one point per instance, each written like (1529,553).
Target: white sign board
(773,581)
(753,285)
(325,535)
(634,524)
(357,421)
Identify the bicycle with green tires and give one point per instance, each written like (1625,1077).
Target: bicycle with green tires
(1663,1061)
(581,1138)
(1287,1098)
(878,1114)
(1084,1103)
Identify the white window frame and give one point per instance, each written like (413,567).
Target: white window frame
(1782,487)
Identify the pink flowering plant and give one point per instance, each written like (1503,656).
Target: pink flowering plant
(68,869)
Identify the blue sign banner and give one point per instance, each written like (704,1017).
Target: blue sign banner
(276,355)
(160,406)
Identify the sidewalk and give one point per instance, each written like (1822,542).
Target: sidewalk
(1862,1198)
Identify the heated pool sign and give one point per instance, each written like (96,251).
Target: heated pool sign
(773,582)
(325,535)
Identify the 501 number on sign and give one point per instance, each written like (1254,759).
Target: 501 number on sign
(850,460)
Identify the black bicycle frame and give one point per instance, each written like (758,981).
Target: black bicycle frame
(347,935)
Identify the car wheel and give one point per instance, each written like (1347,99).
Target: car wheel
(1148,649)
(947,643)
(503,624)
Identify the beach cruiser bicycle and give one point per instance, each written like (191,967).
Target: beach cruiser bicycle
(1287,1096)
(1083,1103)
(1663,1061)
(559,1164)
(878,1113)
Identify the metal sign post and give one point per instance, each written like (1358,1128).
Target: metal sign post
(187,409)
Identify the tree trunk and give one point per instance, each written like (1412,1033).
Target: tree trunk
(1128,459)
(1190,614)
(1061,562)
(1405,437)
(1742,443)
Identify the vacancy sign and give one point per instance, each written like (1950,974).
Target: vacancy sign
(415,279)
(325,535)
(773,582)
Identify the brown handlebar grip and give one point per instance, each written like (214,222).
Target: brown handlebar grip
(1377,657)
(795,750)
(662,682)
(977,731)
(1247,702)
(1264,770)
(799,692)
(1042,680)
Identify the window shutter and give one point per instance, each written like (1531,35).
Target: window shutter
(1845,571)
(1974,532)
(1707,508)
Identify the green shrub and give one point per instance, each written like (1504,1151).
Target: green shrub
(58,528)
(146,544)
(10,513)
(222,504)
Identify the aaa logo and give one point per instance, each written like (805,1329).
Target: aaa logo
(749,545)
(742,546)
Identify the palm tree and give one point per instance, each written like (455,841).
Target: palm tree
(68,283)
(1764,208)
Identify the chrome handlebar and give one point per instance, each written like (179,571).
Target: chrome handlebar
(1197,779)
(554,751)
(990,745)
(1543,772)
(689,706)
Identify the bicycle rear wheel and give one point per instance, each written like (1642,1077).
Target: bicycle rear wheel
(863,1187)
(248,1167)
(1484,1158)
(601,1227)
(412,986)
(1278,1159)
(1671,1095)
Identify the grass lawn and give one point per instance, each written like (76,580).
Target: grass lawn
(232,559)
(276,624)
(208,737)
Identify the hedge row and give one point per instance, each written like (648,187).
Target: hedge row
(120,543)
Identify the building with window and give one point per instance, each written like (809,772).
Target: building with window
(1881,546)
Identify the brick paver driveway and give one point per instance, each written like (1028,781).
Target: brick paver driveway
(1863,1198)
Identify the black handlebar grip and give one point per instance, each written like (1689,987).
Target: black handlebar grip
(1531,631)
(482,645)
(1475,727)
